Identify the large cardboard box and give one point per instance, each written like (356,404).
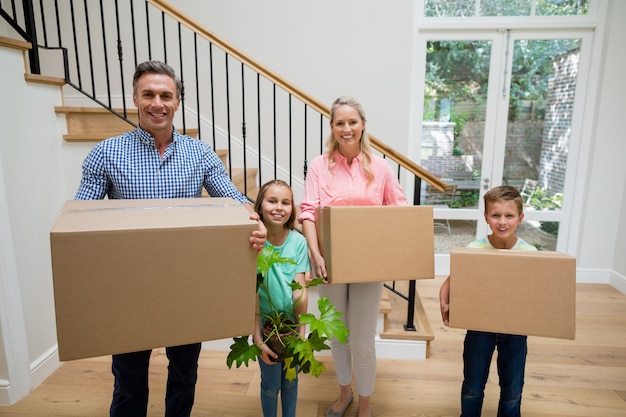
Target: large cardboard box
(513,292)
(368,244)
(140,274)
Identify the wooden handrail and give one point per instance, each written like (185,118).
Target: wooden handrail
(397,157)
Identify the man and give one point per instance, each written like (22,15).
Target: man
(156,161)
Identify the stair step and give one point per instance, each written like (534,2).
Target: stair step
(223,155)
(44,79)
(237,178)
(98,136)
(395,320)
(93,124)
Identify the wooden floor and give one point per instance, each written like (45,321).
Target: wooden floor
(585,377)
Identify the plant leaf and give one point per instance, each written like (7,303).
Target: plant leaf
(303,351)
(269,256)
(329,323)
(290,370)
(315,282)
(242,352)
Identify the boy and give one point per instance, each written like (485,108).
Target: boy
(503,213)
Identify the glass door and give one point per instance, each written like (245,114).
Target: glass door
(500,108)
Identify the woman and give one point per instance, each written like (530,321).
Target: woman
(348,174)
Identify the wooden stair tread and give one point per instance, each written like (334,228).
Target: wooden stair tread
(395,320)
(44,79)
(14,43)
(98,136)
(99,110)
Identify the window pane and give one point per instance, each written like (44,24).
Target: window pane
(462,232)
(505,7)
(457,79)
(449,8)
(542,235)
(467,8)
(562,7)
(541,101)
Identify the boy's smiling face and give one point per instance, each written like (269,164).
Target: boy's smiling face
(503,217)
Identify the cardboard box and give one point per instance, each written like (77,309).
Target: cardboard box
(513,292)
(131,275)
(367,244)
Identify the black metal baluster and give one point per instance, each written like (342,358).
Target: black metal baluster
(258,109)
(243,129)
(182,76)
(198,112)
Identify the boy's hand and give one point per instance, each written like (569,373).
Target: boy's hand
(445,313)
(444,301)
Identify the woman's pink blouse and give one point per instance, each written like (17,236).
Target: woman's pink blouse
(347,185)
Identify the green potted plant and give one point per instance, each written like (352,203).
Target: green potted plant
(298,351)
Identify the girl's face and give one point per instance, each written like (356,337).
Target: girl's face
(503,219)
(277,206)
(347,127)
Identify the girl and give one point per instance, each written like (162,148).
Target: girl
(276,208)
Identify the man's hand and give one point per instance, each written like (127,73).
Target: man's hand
(259,236)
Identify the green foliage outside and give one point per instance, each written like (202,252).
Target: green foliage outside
(541,200)
(466,8)
(459,71)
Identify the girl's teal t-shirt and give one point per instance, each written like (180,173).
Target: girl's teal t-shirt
(281,275)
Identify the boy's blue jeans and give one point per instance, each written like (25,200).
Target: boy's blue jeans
(273,381)
(477,354)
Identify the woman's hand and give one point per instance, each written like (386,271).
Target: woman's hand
(319,267)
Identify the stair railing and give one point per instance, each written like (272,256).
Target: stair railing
(97,38)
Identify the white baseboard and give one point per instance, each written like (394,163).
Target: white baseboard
(8,395)
(592,276)
(44,366)
(618,282)
(400,349)
(385,348)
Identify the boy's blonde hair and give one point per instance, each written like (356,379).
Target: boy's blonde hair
(506,193)
(291,223)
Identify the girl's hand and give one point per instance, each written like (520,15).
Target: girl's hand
(267,354)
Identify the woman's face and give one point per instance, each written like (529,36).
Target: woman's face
(347,127)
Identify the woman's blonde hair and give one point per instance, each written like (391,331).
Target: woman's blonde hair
(333,145)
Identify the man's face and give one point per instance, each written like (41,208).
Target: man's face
(155,98)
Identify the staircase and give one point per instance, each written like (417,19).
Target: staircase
(393,310)
(93,124)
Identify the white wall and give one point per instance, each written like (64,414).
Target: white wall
(33,186)
(328,49)
(603,242)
